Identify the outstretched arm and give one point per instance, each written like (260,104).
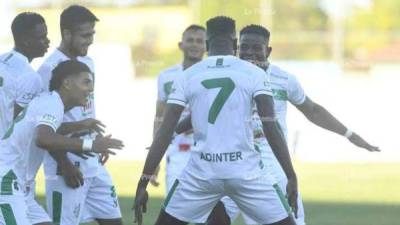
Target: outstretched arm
(323,118)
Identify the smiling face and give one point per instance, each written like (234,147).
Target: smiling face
(79,88)
(254,48)
(80,38)
(193,44)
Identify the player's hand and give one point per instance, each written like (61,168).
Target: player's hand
(291,190)
(360,142)
(93,124)
(153,179)
(140,204)
(104,144)
(73,177)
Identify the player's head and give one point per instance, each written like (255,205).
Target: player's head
(30,34)
(77,29)
(73,80)
(221,36)
(254,44)
(193,43)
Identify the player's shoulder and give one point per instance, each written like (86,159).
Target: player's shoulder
(279,73)
(49,99)
(51,61)
(171,71)
(88,61)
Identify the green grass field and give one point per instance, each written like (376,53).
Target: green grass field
(333,194)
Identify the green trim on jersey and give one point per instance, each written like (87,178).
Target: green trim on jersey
(168,88)
(8,214)
(283,199)
(170,193)
(7,183)
(280,94)
(1,81)
(226,86)
(57,207)
(17,119)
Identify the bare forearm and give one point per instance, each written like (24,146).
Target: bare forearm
(69,127)
(324,119)
(60,157)
(57,142)
(279,147)
(157,151)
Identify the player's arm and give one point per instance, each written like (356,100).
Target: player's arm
(49,140)
(83,125)
(265,107)
(157,150)
(158,118)
(184,125)
(324,119)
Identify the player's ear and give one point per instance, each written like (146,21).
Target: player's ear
(235,46)
(268,52)
(66,35)
(180,45)
(67,83)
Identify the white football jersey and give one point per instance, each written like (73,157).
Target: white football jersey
(8,93)
(20,158)
(286,88)
(219,92)
(87,167)
(27,85)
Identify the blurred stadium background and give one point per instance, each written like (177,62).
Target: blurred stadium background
(346,53)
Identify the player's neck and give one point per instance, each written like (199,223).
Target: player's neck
(24,53)
(64,99)
(227,51)
(188,63)
(65,50)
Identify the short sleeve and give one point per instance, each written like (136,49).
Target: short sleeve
(161,95)
(29,86)
(296,93)
(51,116)
(177,94)
(262,84)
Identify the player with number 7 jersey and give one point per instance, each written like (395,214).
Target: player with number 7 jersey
(223,117)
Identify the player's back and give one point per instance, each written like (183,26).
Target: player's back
(220,91)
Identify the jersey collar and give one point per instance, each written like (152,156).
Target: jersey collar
(20,56)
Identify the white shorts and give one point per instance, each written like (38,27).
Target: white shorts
(13,210)
(36,213)
(96,199)
(255,197)
(233,210)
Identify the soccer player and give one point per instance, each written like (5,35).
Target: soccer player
(254,47)
(34,130)
(193,46)
(220,92)
(30,41)
(78,189)
(22,84)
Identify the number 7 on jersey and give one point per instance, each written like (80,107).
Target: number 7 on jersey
(226,84)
